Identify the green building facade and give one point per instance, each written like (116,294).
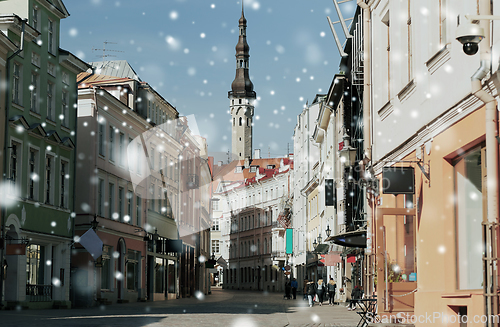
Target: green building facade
(40,156)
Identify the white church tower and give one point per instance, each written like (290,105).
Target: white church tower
(241,97)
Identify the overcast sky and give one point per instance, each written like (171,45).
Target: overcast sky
(185,49)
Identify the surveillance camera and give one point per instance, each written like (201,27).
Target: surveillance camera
(470,35)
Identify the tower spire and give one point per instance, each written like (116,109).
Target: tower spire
(242,96)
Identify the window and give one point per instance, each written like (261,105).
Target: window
(100,197)
(102,137)
(49,163)
(215,246)
(35,18)
(120,203)
(16,84)
(65,110)
(64,184)
(159,200)
(106,267)
(111,201)
(138,210)
(50,33)
(469,190)
(241,120)
(215,205)
(35,259)
(50,101)
(33,92)
(132,270)
(130,199)
(159,274)
(111,143)
(443,37)
(15,151)
(33,178)
(152,159)
(122,149)
(215,225)
(139,151)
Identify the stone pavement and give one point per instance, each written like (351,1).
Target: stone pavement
(221,308)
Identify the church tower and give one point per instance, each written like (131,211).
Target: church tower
(241,97)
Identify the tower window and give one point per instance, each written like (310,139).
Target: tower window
(248,122)
(241,120)
(240,101)
(234,121)
(240,138)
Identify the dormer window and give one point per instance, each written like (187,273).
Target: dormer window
(239,169)
(253,169)
(270,166)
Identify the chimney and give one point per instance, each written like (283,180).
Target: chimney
(219,163)
(256,154)
(247,162)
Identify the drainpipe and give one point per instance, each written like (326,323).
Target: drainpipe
(367,142)
(5,147)
(489,223)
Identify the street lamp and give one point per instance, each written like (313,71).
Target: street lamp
(319,239)
(315,243)
(94,223)
(328,231)
(347,153)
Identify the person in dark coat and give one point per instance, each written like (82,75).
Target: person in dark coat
(294,285)
(331,287)
(311,292)
(288,288)
(356,295)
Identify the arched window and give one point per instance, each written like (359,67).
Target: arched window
(241,120)
(234,121)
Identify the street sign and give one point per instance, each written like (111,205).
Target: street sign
(287,267)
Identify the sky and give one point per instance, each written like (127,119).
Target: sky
(185,49)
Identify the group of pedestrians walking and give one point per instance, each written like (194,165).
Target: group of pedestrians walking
(316,292)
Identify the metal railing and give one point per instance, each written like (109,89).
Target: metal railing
(38,293)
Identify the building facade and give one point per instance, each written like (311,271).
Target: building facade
(39,155)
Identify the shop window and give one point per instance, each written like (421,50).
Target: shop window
(106,268)
(132,270)
(35,264)
(160,275)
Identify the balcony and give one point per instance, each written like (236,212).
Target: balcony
(278,255)
(38,293)
(193,181)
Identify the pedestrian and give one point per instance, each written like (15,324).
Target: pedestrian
(320,290)
(294,285)
(331,287)
(287,289)
(311,292)
(304,291)
(356,295)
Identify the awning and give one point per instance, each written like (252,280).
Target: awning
(355,239)
(351,258)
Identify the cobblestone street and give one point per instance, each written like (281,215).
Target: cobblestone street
(221,308)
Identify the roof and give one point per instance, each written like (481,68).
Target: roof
(116,68)
(84,79)
(228,172)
